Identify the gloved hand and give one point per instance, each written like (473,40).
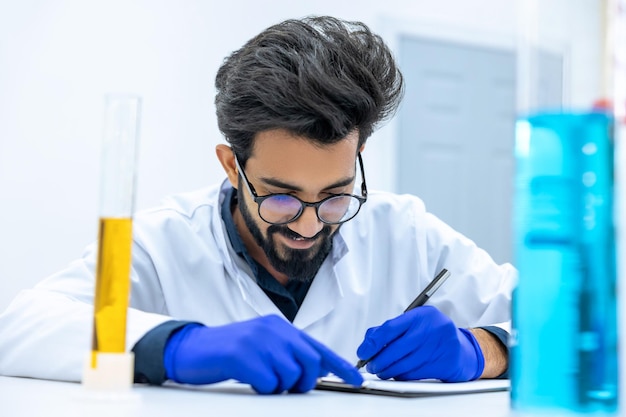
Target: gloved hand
(422,343)
(267,352)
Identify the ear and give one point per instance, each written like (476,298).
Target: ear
(227,158)
(362,148)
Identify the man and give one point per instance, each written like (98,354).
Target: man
(290,269)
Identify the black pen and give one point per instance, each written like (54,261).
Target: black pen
(420,300)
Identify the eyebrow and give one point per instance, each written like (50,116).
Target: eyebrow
(281,184)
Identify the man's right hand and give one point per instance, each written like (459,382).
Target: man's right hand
(267,352)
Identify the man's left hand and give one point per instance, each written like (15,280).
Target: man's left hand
(420,344)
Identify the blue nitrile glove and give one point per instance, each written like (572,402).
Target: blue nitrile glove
(422,343)
(267,352)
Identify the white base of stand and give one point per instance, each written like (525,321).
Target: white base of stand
(111,379)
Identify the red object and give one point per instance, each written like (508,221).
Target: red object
(604,104)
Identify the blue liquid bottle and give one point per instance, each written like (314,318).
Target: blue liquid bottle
(564,348)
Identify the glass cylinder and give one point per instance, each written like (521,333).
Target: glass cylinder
(616,55)
(113,265)
(564,345)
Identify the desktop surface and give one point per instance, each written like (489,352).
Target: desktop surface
(32,397)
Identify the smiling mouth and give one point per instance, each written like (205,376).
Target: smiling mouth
(291,235)
(298,242)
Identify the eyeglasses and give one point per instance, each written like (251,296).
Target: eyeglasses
(285,208)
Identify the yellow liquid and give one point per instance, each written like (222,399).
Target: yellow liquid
(112,286)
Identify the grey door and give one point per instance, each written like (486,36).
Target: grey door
(455,143)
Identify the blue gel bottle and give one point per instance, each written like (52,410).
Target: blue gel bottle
(564,343)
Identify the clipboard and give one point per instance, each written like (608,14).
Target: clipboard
(412,389)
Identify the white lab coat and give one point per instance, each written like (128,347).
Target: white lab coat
(185,268)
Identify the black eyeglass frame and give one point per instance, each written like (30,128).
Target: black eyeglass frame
(303,204)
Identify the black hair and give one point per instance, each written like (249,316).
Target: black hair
(318,77)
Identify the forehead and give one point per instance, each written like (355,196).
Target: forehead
(280,154)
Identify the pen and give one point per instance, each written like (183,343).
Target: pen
(420,300)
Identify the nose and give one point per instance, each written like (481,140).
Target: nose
(307,225)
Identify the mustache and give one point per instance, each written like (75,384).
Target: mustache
(287,232)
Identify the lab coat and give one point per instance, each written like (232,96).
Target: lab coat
(184,268)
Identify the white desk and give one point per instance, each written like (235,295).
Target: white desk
(30,397)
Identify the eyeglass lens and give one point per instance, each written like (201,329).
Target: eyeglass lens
(284,208)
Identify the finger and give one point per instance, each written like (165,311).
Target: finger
(312,363)
(391,355)
(288,359)
(296,362)
(336,364)
(309,361)
(369,347)
(409,366)
(394,328)
(262,379)
(413,345)
(288,371)
(307,380)
(378,337)
(273,367)
(414,355)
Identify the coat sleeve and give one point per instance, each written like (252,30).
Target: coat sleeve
(46,331)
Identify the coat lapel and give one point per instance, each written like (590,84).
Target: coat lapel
(323,296)
(325,292)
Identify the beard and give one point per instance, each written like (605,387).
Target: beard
(298,264)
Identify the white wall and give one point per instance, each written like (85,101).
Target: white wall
(58,59)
